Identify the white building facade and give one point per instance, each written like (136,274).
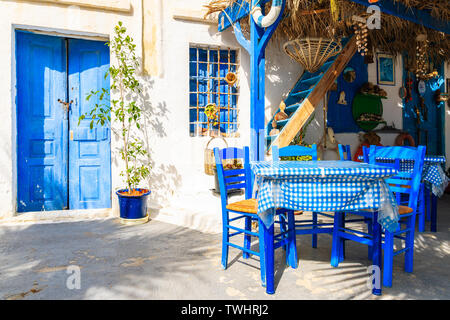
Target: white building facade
(164,32)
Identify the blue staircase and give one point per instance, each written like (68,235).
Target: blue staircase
(306,95)
(301,90)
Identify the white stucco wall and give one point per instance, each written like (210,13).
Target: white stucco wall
(70,21)
(180,189)
(179,173)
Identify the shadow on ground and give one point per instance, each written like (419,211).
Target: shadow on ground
(162,261)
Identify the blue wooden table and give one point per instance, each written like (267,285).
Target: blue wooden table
(435,181)
(322,186)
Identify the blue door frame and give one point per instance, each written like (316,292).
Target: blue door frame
(60,165)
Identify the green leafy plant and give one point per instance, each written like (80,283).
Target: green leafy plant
(125,109)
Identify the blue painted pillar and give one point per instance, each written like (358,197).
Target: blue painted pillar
(257,90)
(259,38)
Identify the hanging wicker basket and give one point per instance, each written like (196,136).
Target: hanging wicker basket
(312,53)
(209,161)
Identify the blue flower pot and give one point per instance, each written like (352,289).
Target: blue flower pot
(133,209)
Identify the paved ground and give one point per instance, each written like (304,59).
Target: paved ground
(162,261)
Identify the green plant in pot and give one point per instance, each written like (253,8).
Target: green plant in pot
(127,114)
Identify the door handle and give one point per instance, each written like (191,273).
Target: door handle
(66,105)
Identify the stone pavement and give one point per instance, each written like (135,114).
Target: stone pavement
(162,261)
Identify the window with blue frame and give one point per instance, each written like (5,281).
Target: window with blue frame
(208,68)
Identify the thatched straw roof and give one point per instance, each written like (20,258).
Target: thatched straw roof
(333,18)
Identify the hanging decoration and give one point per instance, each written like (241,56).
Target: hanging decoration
(421,87)
(281,115)
(312,53)
(362,33)
(422,59)
(342,98)
(212,113)
(402,92)
(409,84)
(440,97)
(268,20)
(231,78)
(274,130)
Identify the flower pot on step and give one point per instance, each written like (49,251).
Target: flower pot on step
(133,207)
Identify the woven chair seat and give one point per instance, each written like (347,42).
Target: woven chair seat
(312,53)
(404,210)
(249,206)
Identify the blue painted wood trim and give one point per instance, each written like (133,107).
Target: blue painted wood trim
(421,17)
(259,38)
(240,37)
(238,10)
(269,31)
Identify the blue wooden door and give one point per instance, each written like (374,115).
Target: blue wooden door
(424,119)
(41,122)
(60,165)
(89,149)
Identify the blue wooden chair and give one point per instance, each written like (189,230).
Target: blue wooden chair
(345,152)
(403,183)
(304,226)
(403,199)
(247,210)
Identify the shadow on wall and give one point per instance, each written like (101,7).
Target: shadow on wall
(281,75)
(164,179)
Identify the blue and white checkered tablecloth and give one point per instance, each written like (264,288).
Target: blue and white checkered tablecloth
(433,173)
(324,186)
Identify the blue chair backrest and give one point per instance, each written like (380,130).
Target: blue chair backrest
(294,151)
(345,152)
(404,182)
(235,178)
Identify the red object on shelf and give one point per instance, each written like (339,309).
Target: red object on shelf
(359,151)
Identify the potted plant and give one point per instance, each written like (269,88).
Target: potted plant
(127,114)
